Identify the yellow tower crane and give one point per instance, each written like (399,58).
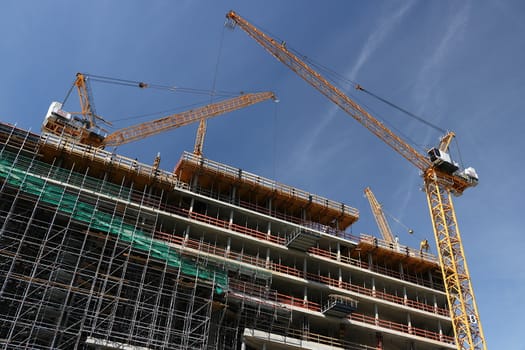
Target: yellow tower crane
(84,127)
(379,216)
(442,179)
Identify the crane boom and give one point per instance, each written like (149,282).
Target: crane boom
(157,126)
(83,128)
(441,181)
(379,215)
(281,53)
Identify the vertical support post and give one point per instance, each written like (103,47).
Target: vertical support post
(228,246)
(305,268)
(267,258)
(379,341)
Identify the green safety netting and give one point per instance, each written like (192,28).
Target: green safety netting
(17,174)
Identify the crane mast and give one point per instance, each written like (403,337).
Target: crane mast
(379,215)
(440,183)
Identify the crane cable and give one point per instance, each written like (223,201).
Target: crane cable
(143,85)
(359,87)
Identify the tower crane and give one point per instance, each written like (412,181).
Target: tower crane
(84,127)
(379,215)
(442,179)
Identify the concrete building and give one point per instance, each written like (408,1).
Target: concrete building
(99,251)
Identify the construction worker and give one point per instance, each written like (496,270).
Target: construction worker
(424,246)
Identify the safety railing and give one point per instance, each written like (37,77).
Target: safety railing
(401,328)
(410,252)
(375,268)
(271,185)
(106,157)
(276,214)
(291,271)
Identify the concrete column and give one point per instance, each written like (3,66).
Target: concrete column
(230,221)
(228,246)
(376,314)
(409,324)
(430,279)
(270,202)
(379,341)
(267,258)
(234,194)
(440,328)
(373,286)
(370,261)
(338,251)
(243,345)
(191,204)
(435,303)
(305,269)
(340,277)
(194,182)
(187,233)
(405,296)
(305,298)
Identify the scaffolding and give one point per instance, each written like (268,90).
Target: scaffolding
(80,270)
(99,251)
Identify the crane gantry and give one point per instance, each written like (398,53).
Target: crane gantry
(442,179)
(85,129)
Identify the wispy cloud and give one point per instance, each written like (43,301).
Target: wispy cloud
(385,25)
(444,45)
(428,77)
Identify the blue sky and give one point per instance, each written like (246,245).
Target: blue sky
(457,63)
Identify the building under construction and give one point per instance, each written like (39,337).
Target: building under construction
(99,251)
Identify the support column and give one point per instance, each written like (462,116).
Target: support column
(405,296)
(230,221)
(305,298)
(194,182)
(269,232)
(228,246)
(376,315)
(338,251)
(187,234)
(370,261)
(267,258)
(409,324)
(340,277)
(305,269)
(379,341)
(233,194)
(373,286)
